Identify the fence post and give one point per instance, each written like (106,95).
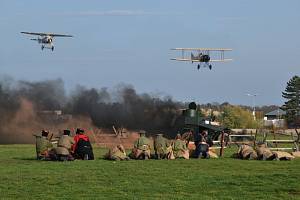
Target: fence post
(222,144)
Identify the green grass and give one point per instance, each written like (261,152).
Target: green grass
(22,177)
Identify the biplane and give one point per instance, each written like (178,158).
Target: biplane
(46,39)
(202,55)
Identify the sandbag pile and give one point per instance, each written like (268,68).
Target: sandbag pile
(262,152)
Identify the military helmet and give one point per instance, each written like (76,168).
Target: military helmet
(67,132)
(142,132)
(178,136)
(79,131)
(45,133)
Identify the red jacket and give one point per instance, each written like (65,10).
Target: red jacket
(77,137)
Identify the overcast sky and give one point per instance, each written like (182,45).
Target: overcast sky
(129,42)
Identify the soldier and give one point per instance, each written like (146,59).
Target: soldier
(161,147)
(82,147)
(264,153)
(246,152)
(202,147)
(64,145)
(117,153)
(180,149)
(141,148)
(43,146)
(281,155)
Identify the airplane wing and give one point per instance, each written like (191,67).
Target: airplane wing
(190,60)
(202,49)
(182,59)
(59,35)
(32,33)
(221,60)
(47,34)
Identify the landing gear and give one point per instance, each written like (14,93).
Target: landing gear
(42,47)
(198,66)
(52,48)
(210,66)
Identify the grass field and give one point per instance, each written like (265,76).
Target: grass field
(22,177)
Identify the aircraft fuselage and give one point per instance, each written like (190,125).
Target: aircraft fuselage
(45,40)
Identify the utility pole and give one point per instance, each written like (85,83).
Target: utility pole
(253,103)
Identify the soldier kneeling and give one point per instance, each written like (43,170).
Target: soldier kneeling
(44,147)
(82,148)
(162,147)
(180,149)
(117,153)
(202,147)
(141,148)
(63,149)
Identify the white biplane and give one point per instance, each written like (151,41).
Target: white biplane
(202,55)
(46,39)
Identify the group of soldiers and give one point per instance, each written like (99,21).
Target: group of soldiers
(261,152)
(68,148)
(79,147)
(163,148)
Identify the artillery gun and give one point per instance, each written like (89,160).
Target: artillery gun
(191,119)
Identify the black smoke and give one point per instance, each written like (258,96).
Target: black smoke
(120,107)
(124,108)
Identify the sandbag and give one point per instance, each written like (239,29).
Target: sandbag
(212,154)
(281,155)
(296,154)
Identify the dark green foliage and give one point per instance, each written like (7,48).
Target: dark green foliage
(292,105)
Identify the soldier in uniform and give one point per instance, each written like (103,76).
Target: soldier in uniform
(246,152)
(64,145)
(264,153)
(161,147)
(141,148)
(117,153)
(43,146)
(202,147)
(180,149)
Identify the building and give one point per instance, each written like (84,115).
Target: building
(275,118)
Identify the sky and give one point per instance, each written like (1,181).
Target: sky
(129,42)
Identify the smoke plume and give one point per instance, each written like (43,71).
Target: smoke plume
(25,106)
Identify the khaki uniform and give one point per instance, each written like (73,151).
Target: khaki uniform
(180,149)
(141,148)
(161,147)
(63,149)
(64,145)
(281,155)
(43,146)
(296,154)
(66,141)
(264,153)
(116,153)
(247,152)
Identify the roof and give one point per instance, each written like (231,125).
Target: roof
(276,112)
